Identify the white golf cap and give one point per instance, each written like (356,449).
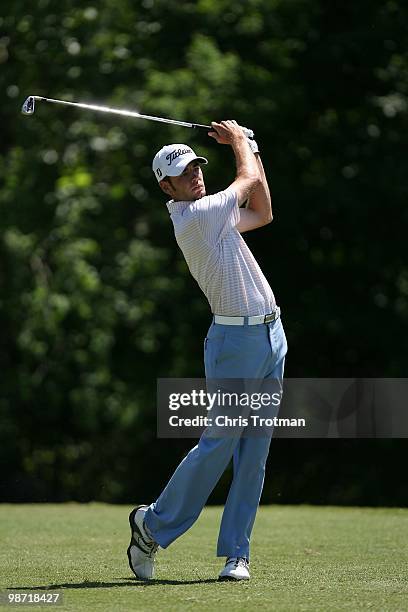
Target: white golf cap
(172,159)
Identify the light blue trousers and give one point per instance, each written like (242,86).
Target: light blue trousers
(247,352)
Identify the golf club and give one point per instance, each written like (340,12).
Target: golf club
(29,107)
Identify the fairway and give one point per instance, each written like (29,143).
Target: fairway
(303,558)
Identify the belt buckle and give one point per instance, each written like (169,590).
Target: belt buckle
(270,317)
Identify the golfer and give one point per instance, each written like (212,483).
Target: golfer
(245,339)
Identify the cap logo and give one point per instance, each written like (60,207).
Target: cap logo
(175,154)
(159,172)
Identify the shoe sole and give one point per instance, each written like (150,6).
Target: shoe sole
(134,527)
(230,579)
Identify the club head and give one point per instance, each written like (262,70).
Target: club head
(28,106)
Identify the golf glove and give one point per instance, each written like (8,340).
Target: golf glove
(254,145)
(248,132)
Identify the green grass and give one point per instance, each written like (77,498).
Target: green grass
(303,558)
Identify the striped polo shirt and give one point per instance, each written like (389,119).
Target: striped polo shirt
(218,257)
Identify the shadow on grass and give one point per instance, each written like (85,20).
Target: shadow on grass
(108,585)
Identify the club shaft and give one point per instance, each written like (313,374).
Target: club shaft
(124,113)
(29,105)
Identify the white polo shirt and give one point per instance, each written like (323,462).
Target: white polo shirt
(218,257)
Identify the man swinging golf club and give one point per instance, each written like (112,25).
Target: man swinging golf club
(245,339)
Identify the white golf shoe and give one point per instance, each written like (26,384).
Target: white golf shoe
(236,568)
(142,548)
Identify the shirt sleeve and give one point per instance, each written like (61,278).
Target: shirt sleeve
(217,214)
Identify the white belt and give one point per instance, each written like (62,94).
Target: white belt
(255,320)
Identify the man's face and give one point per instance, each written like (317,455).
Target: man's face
(188,186)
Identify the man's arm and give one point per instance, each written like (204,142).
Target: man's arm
(248,178)
(258,211)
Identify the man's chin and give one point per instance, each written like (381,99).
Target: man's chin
(198,193)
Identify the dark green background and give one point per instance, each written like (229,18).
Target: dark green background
(96,301)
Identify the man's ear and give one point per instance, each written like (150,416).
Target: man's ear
(166,187)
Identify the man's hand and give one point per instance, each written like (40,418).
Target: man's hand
(227,132)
